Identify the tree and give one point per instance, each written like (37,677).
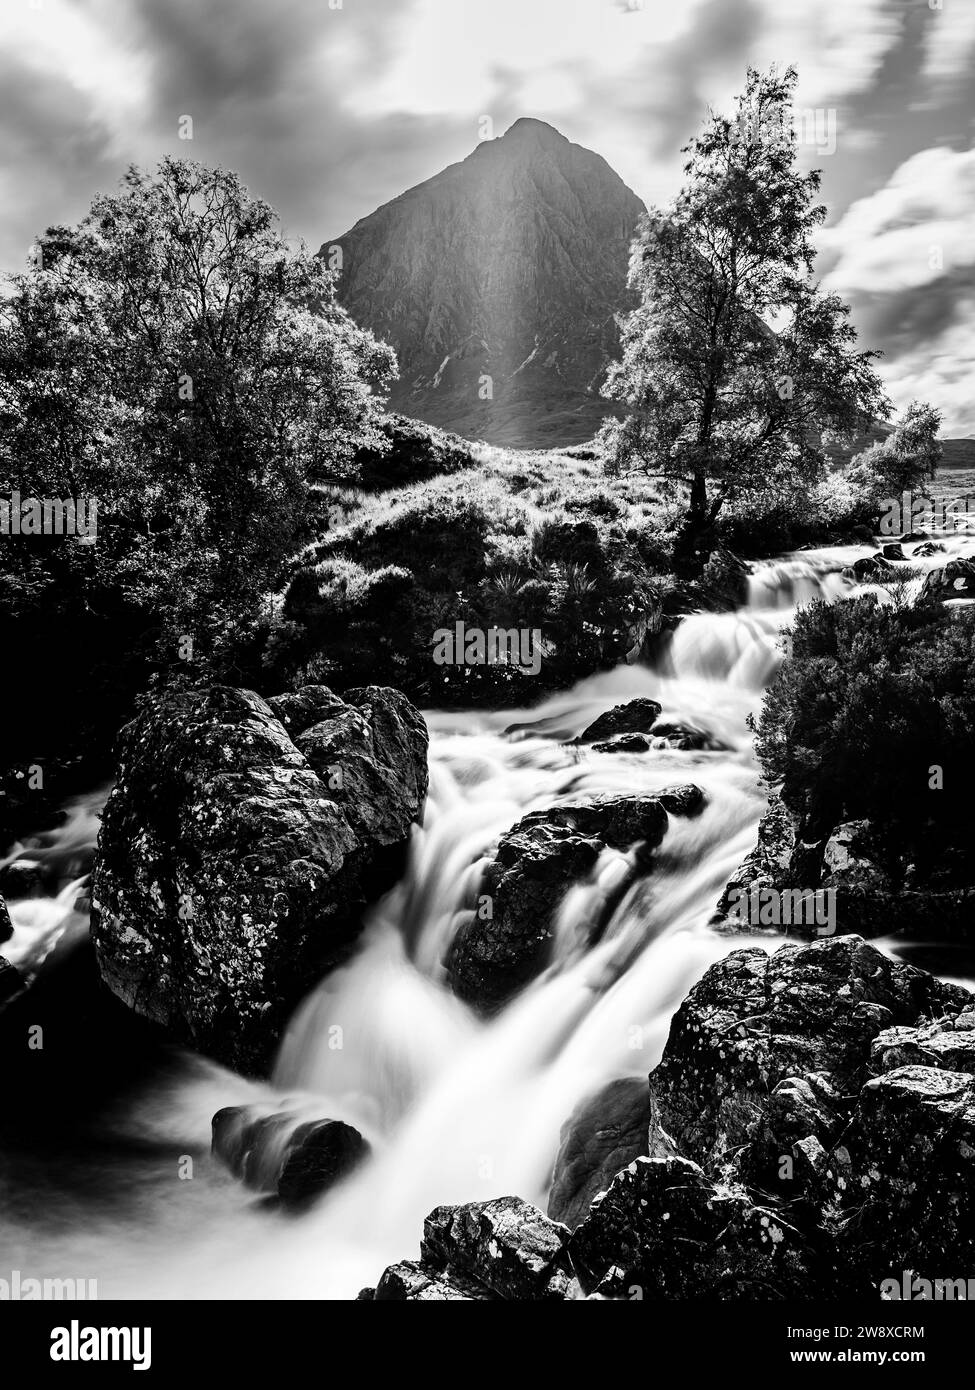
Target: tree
(172,357)
(735,363)
(897,464)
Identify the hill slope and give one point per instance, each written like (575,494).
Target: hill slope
(509,265)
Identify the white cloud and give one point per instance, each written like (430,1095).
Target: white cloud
(949,40)
(940,371)
(905,258)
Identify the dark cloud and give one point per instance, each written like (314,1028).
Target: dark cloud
(55,155)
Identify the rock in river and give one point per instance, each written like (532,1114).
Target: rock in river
(240,844)
(534,866)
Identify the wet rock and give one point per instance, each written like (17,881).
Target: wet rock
(6,926)
(869,569)
(603,1134)
(634,717)
(954,580)
(680,736)
(281,1153)
(321,1152)
(755,1020)
(910,1204)
(236,855)
(847,862)
(766,866)
(534,866)
(893,551)
(663,1230)
(685,799)
(505,1249)
(23,878)
(946,1043)
(11,982)
(624,743)
(409,1282)
(664,734)
(929,548)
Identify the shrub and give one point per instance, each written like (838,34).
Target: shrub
(870,699)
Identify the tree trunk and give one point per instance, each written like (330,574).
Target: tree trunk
(691,546)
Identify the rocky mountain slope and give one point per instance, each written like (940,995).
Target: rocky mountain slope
(497,282)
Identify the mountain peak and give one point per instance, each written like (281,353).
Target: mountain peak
(529,128)
(497,281)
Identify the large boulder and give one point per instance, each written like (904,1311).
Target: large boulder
(605,1132)
(536,862)
(663,1230)
(6,926)
(869,569)
(954,580)
(909,1204)
(634,717)
(843,869)
(285,1153)
(240,844)
(756,1020)
(21,878)
(504,1249)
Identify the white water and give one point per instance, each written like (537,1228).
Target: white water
(458,1109)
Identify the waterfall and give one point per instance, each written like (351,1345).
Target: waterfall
(456,1107)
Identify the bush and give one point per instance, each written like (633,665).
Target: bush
(367,601)
(869,701)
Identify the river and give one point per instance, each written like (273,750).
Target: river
(456,1108)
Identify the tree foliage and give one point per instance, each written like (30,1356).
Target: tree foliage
(172,357)
(870,701)
(735,362)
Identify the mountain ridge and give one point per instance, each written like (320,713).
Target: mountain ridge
(497,281)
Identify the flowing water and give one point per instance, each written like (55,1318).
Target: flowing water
(456,1108)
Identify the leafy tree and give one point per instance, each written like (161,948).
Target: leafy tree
(899,463)
(172,357)
(735,362)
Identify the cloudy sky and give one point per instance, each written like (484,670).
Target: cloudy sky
(330,107)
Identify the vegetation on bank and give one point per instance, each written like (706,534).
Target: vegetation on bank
(872,717)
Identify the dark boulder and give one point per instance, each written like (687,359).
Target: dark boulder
(624,743)
(893,551)
(603,1134)
(281,1153)
(680,736)
(909,1202)
(409,1282)
(6,926)
(11,982)
(22,878)
(635,717)
(954,580)
(236,855)
(929,548)
(766,866)
(756,1020)
(663,1230)
(502,1249)
(869,569)
(535,864)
